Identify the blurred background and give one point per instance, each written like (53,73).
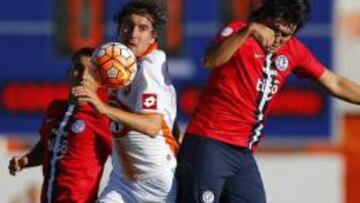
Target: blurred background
(311,150)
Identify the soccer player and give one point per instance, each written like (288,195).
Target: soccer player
(144,113)
(74,144)
(250,62)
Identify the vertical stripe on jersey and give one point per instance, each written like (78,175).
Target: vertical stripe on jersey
(169,138)
(59,134)
(268,81)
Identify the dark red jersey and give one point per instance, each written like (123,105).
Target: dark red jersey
(76,145)
(236,100)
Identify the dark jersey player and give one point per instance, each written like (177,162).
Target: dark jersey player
(250,62)
(74,144)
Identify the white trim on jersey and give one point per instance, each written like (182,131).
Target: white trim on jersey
(59,133)
(263,102)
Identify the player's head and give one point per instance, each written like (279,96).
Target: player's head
(140,24)
(285,17)
(80,69)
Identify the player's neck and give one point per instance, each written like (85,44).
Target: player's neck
(151,48)
(72,100)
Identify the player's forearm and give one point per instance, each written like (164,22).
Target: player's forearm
(348,91)
(220,53)
(340,87)
(35,156)
(149,124)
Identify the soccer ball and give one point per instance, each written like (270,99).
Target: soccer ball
(115,63)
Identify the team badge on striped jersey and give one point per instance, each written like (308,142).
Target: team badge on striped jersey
(282,63)
(78,126)
(149,101)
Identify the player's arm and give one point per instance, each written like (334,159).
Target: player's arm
(175,131)
(149,124)
(340,87)
(220,52)
(33,158)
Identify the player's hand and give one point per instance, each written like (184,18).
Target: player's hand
(85,95)
(263,34)
(16,164)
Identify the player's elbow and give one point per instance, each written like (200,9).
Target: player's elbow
(210,62)
(207,63)
(155,126)
(153,131)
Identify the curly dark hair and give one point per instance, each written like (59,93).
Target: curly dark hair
(156,9)
(85,51)
(76,57)
(290,11)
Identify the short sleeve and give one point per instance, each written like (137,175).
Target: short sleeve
(43,127)
(47,120)
(228,30)
(151,92)
(307,65)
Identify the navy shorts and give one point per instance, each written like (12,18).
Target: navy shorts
(211,171)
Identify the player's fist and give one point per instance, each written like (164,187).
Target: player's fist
(263,34)
(16,164)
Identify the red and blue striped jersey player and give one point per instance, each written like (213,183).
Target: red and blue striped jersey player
(249,63)
(74,144)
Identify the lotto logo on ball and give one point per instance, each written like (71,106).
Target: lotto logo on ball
(149,101)
(115,63)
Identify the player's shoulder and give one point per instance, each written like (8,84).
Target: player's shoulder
(153,69)
(295,43)
(237,23)
(55,107)
(153,63)
(232,27)
(157,56)
(57,104)
(296,47)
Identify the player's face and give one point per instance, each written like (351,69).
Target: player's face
(136,32)
(81,73)
(283,33)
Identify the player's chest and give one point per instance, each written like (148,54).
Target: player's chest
(128,96)
(252,59)
(59,136)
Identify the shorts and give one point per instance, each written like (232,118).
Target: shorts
(160,188)
(211,171)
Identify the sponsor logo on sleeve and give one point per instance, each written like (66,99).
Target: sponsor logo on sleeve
(149,101)
(227,32)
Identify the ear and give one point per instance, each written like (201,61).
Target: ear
(68,71)
(154,37)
